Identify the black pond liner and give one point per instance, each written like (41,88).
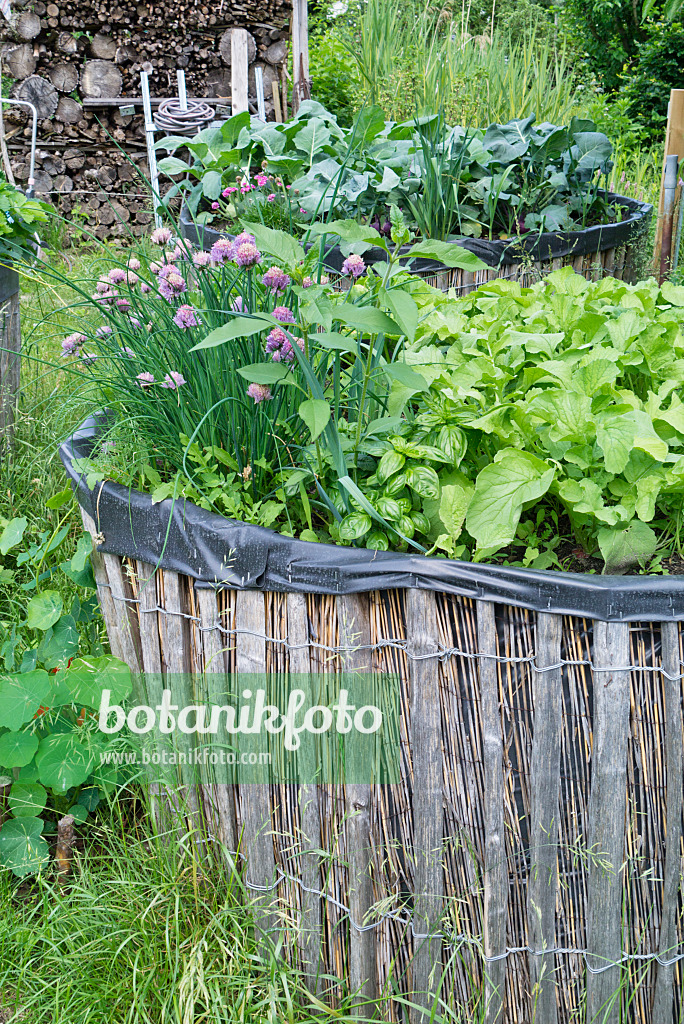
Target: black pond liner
(9,282)
(212,550)
(547,246)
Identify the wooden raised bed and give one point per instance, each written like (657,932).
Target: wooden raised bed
(537,828)
(615,250)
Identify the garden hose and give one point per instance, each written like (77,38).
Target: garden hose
(171,117)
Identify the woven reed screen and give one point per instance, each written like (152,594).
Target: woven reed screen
(527,867)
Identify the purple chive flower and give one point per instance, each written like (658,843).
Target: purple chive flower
(284,315)
(88,357)
(106,297)
(145,380)
(247,255)
(135,323)
(144,288)
(353,265)
(123,304)
(171,257)
(276,339)
(238,304)
(117,275)
(155,268)
(172,286)
(131,278)
(72,344)
(201,259)
(133,263)
(173,380)
(161,236)
(221,251)
(276,279)
(128,352)
(307,282)
(259,392)
(187,317)
(102,332)
(244,238)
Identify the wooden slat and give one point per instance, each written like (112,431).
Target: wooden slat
(354,632)
(542,884)
(217,779)
(310,936)
(153,685)
(495,866)
(255,798)
(104,591)
(10,365)
(124,610)
(177,661)
(239,70)
(674,754)
(606,838)
(428,814)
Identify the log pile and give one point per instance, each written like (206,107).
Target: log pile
(79,62)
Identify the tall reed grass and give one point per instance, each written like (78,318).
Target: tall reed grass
(413,56)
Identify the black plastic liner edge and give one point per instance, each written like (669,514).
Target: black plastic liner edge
(185,538)
(546,246)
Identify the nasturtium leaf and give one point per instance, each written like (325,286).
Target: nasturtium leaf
(62,644)
(17,749)
(44,609)
(57,500)
(12,534)
(316,414)
(624,547)
(86,678)
(21,695)
(27,799)
(449,253)
(501,490)
(22,847)
(63,761)
(79,812)
(82,553)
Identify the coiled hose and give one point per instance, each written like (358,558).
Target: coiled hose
(169,116)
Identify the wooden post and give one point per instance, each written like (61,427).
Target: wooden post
(606,839)
(674,143)
(239,70)
(276,103)
(495,865)
(354,635)
(10,354)
(301,86)
(542,886)
(428,801)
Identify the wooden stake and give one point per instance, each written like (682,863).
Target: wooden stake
(239,68)
(10,363)
(674,143)
(276,103)
(301,86)
(64,853)
(283,82)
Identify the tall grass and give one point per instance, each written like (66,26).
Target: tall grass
(412,56)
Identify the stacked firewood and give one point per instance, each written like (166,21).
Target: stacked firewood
(79,64)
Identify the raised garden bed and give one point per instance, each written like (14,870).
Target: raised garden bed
(541,738)
(612,250)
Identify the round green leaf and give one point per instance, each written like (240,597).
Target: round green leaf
(43,610)
(22,847)
(12,534)
(316,414)
(27,799)
(21,694)
(63,762)
(17,749)
(79,812)
(62,645)
(86,678)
